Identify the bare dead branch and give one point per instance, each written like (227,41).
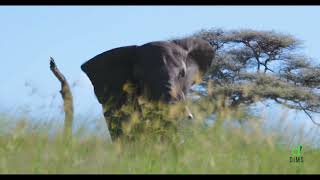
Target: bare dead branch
(67,98)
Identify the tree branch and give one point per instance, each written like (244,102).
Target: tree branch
(299,108)
(305,111)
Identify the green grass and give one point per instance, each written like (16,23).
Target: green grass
(193,149)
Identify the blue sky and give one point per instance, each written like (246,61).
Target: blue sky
(73,34)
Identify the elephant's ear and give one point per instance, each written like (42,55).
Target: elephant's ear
(110,71)
(200,52)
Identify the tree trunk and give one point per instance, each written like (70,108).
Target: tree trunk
(67,99)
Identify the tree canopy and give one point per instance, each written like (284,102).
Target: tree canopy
(251,66)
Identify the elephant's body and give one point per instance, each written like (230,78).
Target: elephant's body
(160,70)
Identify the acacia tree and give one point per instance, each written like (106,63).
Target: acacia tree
(253,66)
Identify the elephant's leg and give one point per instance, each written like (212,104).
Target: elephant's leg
(113,122)
(111,115)
(116,118)
(114,126)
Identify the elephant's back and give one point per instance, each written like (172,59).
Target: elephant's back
(158,50)
(159,45)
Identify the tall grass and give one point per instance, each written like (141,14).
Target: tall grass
(164,143)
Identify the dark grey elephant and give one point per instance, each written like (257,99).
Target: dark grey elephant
(160,70)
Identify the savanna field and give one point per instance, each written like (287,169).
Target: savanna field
(234,143)
(187,89)
(228,135)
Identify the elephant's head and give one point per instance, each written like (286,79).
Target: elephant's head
(161,70)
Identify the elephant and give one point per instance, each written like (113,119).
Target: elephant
(160,70)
